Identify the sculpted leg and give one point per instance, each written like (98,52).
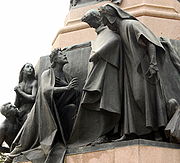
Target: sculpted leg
(2,139)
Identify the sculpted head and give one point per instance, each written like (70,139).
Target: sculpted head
(9,110)
(57,56)
(27,70)
(93,18)
(109,14)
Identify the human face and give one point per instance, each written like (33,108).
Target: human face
(28,69)
(91,19)
(9,111)
(61,58)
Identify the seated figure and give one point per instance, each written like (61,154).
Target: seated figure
(16,114)
(9,127)
(48,125)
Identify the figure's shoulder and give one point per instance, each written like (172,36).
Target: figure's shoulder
(46,72)
(35,82)
(114,35)
(130,23)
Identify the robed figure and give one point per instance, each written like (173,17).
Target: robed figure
(145,94)
(100,106)
(45,133)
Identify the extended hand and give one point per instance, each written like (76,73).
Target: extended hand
(94,57)
(152,70)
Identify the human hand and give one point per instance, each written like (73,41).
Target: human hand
(152,70)
(17,89)
(94,57)
(72,84)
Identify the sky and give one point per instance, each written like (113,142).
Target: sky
(27,29)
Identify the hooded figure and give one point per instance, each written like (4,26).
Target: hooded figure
(100,106)
(144,110)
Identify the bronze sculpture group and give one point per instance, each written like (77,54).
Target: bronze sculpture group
(126,94)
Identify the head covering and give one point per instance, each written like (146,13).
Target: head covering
(91,15)
(112,12)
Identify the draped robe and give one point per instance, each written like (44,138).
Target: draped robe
(145,98)
(100,107)
(42,137)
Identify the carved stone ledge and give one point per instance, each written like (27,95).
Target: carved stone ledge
(133,151)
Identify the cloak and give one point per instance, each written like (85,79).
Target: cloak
(145,98)
(42,138)
(100,106)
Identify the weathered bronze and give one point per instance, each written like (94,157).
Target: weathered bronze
(9,127)
(49,124)
(102,97)
(173,127)
(131,77)
(25,91)
(16,114)
(145,91)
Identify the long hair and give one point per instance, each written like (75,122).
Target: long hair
(21,73)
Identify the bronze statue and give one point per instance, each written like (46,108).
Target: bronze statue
(100,106)
(151,74)
(16,114)
(49,124)
(144,101)
(25,91)
(173,127)
(9,127)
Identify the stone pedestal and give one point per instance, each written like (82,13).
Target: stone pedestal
(162,17)
(133,151)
